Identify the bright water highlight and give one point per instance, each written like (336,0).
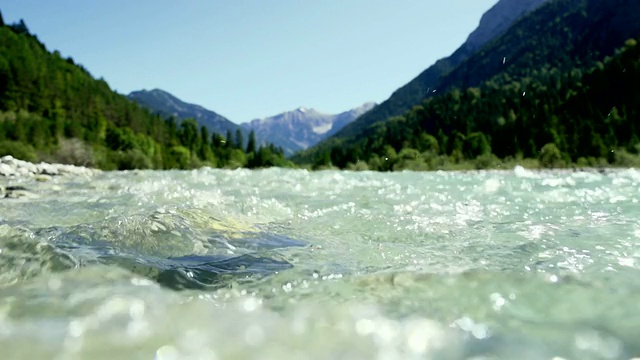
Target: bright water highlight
(290,264)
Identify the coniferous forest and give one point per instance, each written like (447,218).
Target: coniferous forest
(556,118)
(557,89)
(52,109)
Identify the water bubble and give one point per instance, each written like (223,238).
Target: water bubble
(251,304)
(479,331)
(498,301)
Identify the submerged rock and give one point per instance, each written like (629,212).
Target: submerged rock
(27,254)
(143,251)
(200,272)
(15,192)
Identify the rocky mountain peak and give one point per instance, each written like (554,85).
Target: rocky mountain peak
(498,19)
(303,127)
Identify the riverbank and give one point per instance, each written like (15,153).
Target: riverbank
(17,177)
(12,167)
(414,161)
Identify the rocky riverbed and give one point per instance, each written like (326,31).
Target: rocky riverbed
(17,177)
(11,167)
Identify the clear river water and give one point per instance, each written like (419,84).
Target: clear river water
(290,264)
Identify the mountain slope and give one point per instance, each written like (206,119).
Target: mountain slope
(297,130)
(52,109)
(589,118)
(522,91)
(561,34)
(493,24)
(165,104)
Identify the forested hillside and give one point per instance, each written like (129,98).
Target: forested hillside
(493,23)
(52,109)
(541,56)
(589,118)
(167,105)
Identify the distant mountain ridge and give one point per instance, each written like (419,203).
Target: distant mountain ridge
(492,24)
(166,104)
(304,127)
(293,130)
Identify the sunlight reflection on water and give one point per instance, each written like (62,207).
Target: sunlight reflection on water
(494,264)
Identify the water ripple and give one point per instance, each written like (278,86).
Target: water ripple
(291,263)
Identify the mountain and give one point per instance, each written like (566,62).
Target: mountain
(165,104)
(492,24)
(298,129)
(497,20)
(556,76)
(52,109)
(293,131)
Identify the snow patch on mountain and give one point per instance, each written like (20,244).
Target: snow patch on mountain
(323,129)
(303,127)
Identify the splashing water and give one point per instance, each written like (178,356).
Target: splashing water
(216,264)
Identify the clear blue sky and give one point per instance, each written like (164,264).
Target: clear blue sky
(249,59)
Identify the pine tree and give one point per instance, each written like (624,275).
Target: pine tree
(239,144)
(229,139)
(251,145)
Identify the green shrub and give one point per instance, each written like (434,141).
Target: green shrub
(237,159)
(74,152)
(132,159)
(550,156)
(625,159)
(358,166)
(181,157)
(18,150)
(487,161)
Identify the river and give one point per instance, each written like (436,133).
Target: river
(290,264)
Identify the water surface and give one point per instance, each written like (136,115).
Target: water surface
(274,264)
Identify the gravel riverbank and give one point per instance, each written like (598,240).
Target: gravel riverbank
(12,167)
(17,177)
